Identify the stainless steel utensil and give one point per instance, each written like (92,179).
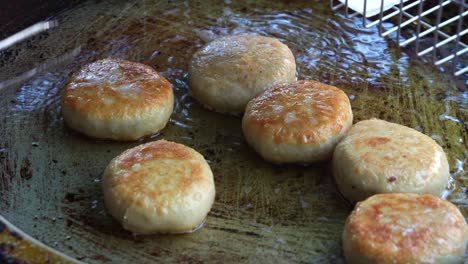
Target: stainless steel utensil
(417,14)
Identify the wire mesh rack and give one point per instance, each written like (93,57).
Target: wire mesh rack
(439,23)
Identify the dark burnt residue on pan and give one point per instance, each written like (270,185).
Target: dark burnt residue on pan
(25,171)
(7,174)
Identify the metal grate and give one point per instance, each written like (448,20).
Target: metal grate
(442,23)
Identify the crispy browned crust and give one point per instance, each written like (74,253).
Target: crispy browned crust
(377,149)
(405,228)
(156,150)
(320,112)
(132,87)
(377,156)
(159,172)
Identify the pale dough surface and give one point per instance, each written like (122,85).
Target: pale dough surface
(159,187)
(228,72)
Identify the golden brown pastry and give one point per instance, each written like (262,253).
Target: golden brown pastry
(159,187)
(377,156)
(405,228)
(298,122)
(117,99)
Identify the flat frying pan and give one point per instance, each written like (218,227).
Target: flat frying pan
(50,175)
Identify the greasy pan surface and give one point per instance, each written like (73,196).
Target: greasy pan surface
(50,176)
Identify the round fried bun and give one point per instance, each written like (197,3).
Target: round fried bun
(299,122)
(159,187)
(377,156)
(228,72)
(405,228)
(117,99)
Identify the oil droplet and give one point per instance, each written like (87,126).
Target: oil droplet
(197,227)
(281,240)
(458,167)
(322,219)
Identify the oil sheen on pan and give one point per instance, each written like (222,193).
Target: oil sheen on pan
(50,175)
